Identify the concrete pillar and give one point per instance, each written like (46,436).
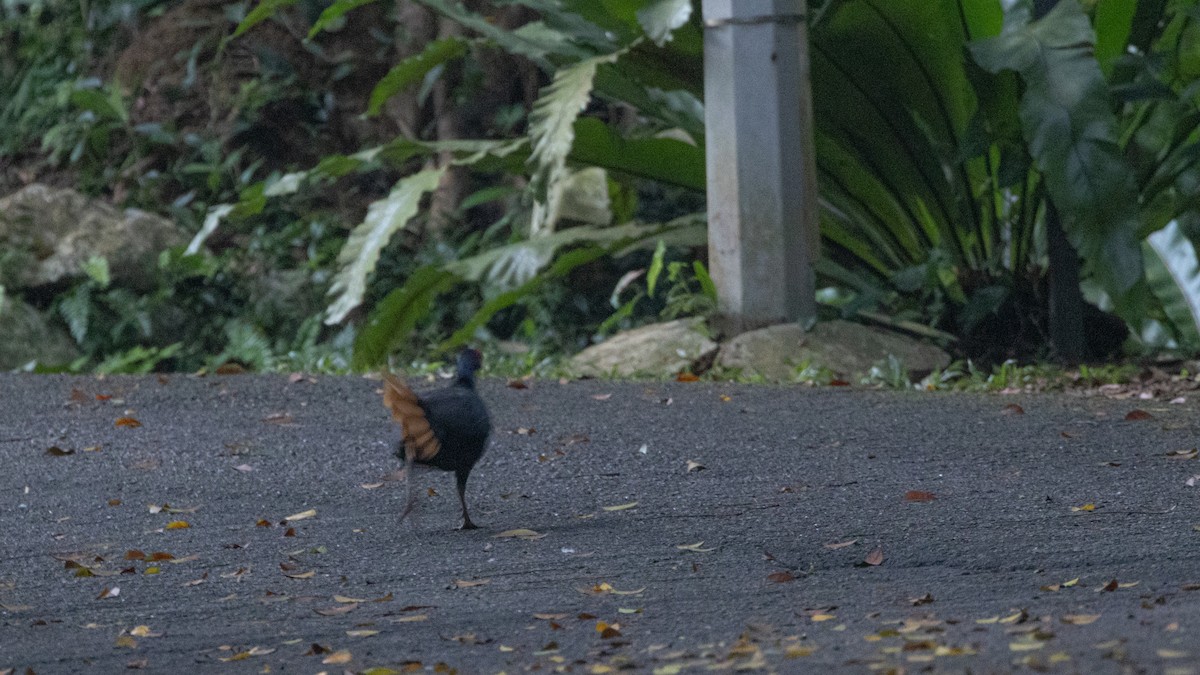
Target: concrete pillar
(762,189)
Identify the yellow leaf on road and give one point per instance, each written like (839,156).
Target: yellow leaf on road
(302,515)
(621,507)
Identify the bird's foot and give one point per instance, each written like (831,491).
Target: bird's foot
(468,525)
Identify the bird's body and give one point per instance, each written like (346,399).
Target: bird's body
(447,429)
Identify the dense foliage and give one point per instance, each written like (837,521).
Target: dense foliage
(533,170)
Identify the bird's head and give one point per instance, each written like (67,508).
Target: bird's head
(469,361)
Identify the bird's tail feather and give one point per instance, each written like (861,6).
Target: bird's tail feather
(420,443)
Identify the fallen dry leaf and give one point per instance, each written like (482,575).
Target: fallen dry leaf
(1183,454)
(55,451)
(841,544)
(371,486)
(109,593)
(1137,414)
(620,507)
(874,557)
(177,525)
(520,533)
(311,513)
(283,419)
(693,465)
(362,633)
(1089,507)
(602,397)
(128,422)
(923,600)
(696,547)
(462,583)
(518,384)
(919,496)
(544,616)
(300,575)
(686,377)
(144,632)
(781,577)
(1080,619)
(336,610)
(1012,409)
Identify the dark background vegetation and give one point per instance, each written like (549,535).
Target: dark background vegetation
(551,153)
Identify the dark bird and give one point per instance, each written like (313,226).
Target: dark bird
(447,428)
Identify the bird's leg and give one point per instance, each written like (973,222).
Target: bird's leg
(461,479)
(410,499)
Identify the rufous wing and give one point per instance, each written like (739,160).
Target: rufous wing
(419,441)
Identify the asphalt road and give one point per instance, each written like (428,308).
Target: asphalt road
(1063,539)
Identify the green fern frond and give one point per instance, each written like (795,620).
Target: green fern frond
(552,132)
(361,251)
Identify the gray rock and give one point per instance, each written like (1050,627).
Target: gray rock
(846,348)
(658,350)
(26,335)
(47,235)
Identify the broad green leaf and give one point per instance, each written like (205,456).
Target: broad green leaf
(585,197)
(361,251)
(394,318)
(1114,21)
(413,70)
(1173,270)
(661,17)
(334,12)
(667,160)
(1072,135)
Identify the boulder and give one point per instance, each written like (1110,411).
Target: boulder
(848,349)
(26,335)
(657,350)
(47,234)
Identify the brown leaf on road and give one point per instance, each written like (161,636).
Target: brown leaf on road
(546,616)
(520,533)
(462,583)
(874,557)
(55,451)
(283,419)
(841,544)
(518,384)
(1110,586)
(127,422)
(107,592)
(781,577)
(923,600)
(339,657)
(1183,454)
(687,377)
(1012,409)
(919,496)
(337,610)
(1137,415)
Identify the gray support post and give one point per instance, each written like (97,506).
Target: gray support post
(762,191)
